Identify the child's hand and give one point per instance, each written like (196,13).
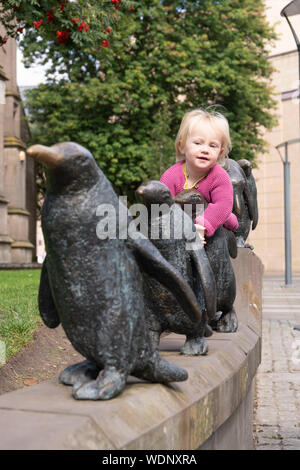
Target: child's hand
(201,231)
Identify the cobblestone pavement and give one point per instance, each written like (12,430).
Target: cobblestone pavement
(277,401)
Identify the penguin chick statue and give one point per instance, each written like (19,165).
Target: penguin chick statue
(217,249)
(173,233)
(92,285)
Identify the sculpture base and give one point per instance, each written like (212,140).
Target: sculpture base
(211,410)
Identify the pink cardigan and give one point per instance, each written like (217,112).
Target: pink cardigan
(217,190)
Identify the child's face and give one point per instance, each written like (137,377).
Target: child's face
(202,148)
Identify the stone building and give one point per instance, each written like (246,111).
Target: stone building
(17,182)
(268,237)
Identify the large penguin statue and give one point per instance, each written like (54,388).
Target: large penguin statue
(172,231)
(92,284)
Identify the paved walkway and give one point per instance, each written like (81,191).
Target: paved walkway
(277,411)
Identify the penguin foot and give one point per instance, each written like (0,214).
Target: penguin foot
(208,331)
(249,246)
(109,383)
(242,244)
(79,373)
(218,315)
(162,371)
(228,322)
(194,347)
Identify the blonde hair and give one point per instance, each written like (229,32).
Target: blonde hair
(217,120)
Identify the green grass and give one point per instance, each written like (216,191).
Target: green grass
(19,316)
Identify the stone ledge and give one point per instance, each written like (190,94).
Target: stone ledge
(14,94)
(3,77)
(145,416)
(3,200)
(6,239)
(12,141)
(22,244)
(8,266)
(17,210)
(149,416)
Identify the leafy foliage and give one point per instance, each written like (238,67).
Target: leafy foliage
(86,25)
(181,54)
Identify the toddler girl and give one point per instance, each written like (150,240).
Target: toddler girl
(202,145)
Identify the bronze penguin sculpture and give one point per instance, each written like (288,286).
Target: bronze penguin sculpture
(245,198)
(93,286)
(218,251)
(174,234)
(246,165)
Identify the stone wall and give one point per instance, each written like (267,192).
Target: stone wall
(17,179)
(268,238)
(211,410)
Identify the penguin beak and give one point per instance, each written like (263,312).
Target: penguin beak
(139,194)
(45,155)
(140,190)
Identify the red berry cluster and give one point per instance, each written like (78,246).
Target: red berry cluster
(83,26)
(50,15)
(116,3)
(62,6)
(37,24)
(62,36)
(17,8)
(106,43)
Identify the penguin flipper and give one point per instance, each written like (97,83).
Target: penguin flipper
(253,195)
(47,307)
(248,200)
(231,243)
(155,265)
